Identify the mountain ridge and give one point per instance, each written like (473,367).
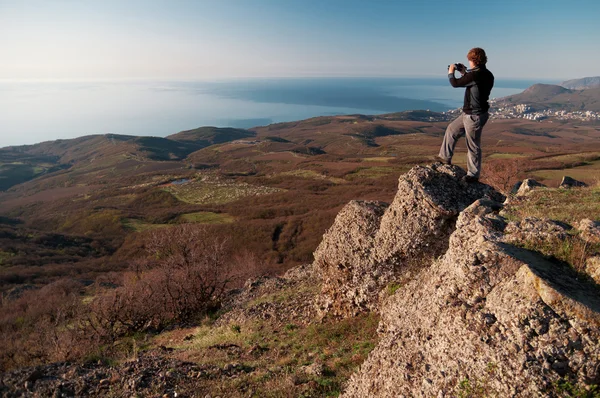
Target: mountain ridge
(582,83)
(556,97)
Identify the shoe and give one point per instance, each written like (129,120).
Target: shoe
(470,179)
(442,160)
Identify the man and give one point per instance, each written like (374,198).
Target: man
(478,81)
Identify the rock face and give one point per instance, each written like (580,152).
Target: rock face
(486,319)
(344,263)
(371,243)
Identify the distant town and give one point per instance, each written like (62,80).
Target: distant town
(525,111)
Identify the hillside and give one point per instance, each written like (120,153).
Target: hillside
(468,300)
(206,136)
(119,237)
(100,152)
(548,96)
(581,84)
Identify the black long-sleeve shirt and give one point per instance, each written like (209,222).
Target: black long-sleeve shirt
(478,82)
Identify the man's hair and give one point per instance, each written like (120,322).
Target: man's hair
(477,55)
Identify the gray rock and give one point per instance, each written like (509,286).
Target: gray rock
(589,230)
(568,182)
(526,186)
(343,260)
(592,268)
(535,229)
(314,369)
(489,315)
(372,244)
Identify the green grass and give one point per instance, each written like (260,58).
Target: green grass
(384,159)
(506,156)
(206,217)
(313,175)
(201,217)
(5,256)
(588,174)
(279,352)
(137,225)
(17,172)
(567,389)
(393,288)
(374,172)
(575,157)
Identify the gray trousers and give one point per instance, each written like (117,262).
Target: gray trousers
(470,126)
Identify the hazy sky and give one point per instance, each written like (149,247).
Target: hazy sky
(206,39)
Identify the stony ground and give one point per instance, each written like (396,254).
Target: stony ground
(267,342)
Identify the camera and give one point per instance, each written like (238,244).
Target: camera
(459,67)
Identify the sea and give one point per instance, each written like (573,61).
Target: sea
(36,111)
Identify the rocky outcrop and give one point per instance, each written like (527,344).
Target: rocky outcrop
(371,244)
(568,182)
(344,260)
(535,229)
(589,230)
(486,319)
(528,185)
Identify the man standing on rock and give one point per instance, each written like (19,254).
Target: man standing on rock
(478,81)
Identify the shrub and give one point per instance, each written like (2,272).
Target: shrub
(186,275)
(503,174)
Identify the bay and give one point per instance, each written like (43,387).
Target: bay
(36,111)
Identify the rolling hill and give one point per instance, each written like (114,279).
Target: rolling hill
(19,164)
(206,136)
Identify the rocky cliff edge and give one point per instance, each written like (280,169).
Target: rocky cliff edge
(372,244)
(480,316)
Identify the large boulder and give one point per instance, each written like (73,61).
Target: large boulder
(371,244)
(568,182)
(486,319)
(526,186)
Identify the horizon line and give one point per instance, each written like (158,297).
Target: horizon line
(232,78)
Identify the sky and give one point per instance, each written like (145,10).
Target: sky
(220,39)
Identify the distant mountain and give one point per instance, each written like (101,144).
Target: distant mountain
(582,84)
(549,96)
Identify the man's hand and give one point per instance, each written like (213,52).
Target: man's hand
(451,69)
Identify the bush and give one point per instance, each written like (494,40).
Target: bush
(186,275)
(39,326)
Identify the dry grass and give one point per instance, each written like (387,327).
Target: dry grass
(278,355)
(566,205)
